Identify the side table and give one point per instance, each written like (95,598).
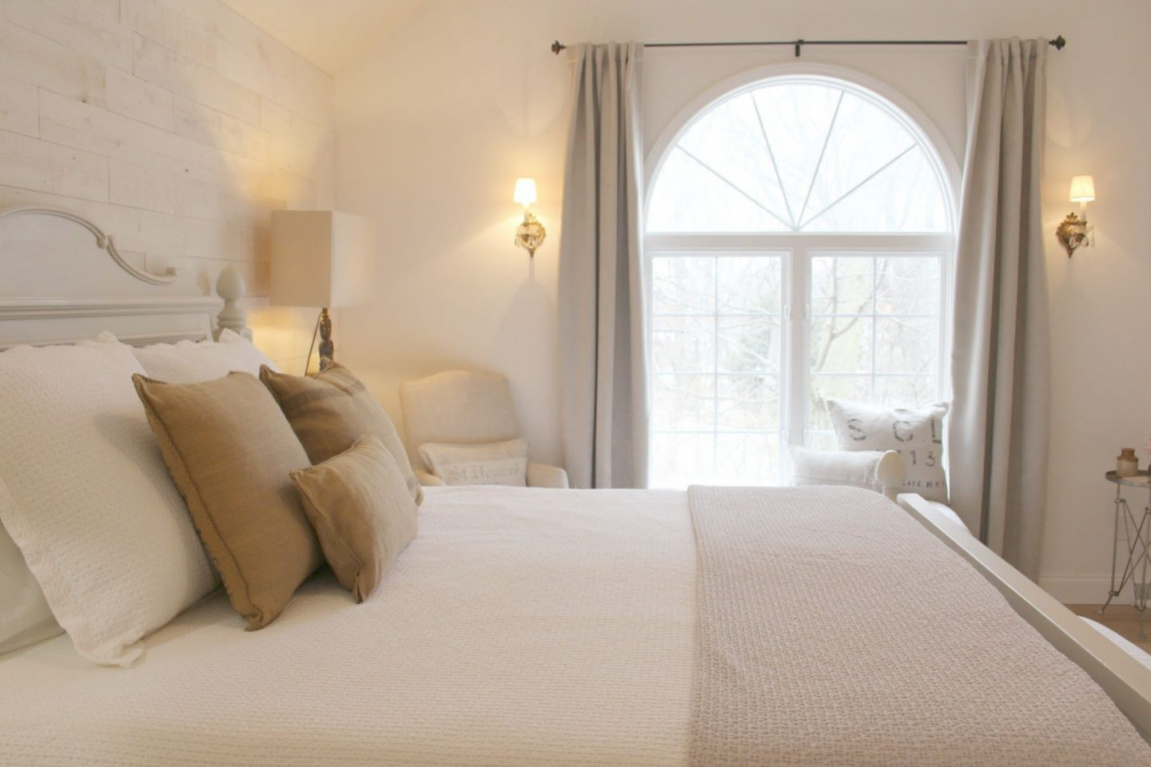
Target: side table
(1137,532)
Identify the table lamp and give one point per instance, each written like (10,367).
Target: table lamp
(322,259)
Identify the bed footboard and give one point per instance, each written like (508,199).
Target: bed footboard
(1124,679)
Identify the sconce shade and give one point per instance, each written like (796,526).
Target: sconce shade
(322,259)
(525,191)
(1082,189)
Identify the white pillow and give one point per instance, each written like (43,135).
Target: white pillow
(25,617)
(496,463)
(92,507)
(188,362)
(835,467)
(915,433)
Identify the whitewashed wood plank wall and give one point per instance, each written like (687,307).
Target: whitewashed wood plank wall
(176,125)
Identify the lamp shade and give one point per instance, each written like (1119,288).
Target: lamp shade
(1082,189)
(322,258)
(525,191)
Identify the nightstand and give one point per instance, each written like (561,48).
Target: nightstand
(1137,538)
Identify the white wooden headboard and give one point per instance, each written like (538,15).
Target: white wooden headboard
(62,280)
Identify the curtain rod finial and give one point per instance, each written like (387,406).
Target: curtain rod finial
(557,46)
(1059,42)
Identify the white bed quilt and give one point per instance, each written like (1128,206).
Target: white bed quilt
(521,627)
(539,627)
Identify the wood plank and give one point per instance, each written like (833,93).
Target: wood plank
(81,26)
(211,239)
(18,107)
(164,68)
(40,166)
(30,58)
(135,229)
(78,125)
(140,186)
(176,31)
(140,100)
(208,126)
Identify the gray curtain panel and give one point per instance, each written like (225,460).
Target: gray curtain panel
(1000,365)
(603,338)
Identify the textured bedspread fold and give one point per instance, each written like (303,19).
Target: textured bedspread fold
(834,630)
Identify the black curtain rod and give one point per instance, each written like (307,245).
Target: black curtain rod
(1058,43)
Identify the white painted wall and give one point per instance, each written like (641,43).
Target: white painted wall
(436,124)
(175,125)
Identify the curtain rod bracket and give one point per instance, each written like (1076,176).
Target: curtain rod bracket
(798,47)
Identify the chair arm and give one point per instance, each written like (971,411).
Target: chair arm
(429,480)
(891,473)
(542,475)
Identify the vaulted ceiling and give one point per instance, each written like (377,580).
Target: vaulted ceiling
(332,34)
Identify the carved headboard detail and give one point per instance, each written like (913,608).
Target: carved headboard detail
(63,280)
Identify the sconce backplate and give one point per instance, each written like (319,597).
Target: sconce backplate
(530,235)
(1072,232)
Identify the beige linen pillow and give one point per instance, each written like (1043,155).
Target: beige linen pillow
(362,511)
(333,410)
(230,451)
(496,463)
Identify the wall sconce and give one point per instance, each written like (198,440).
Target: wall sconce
(1074,232)
(531,233)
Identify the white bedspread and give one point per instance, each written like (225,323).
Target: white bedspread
(521,627)
(545,627)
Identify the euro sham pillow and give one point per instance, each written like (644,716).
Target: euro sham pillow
(495,463)
(90,505)
(332,410)
(230,451)
(362,512)
(188,362)
(25,617)
(915,433)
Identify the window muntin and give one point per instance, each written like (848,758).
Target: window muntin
(799,236)
(805,156)
(717,333)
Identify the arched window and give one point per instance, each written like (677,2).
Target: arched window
(799,232)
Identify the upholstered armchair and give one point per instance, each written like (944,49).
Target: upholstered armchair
(459,407)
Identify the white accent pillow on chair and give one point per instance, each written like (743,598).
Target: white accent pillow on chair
(495,463)
(90,503)
(915,433)
(835,467)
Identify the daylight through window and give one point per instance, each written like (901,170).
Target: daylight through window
(800,234)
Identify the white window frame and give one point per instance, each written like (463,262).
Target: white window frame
(797,248)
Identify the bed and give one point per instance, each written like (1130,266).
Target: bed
(528,626)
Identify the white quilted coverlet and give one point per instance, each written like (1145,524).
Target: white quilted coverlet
(835,630)
(529,627)
(521,627)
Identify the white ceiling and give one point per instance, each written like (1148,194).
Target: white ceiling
(332,34)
